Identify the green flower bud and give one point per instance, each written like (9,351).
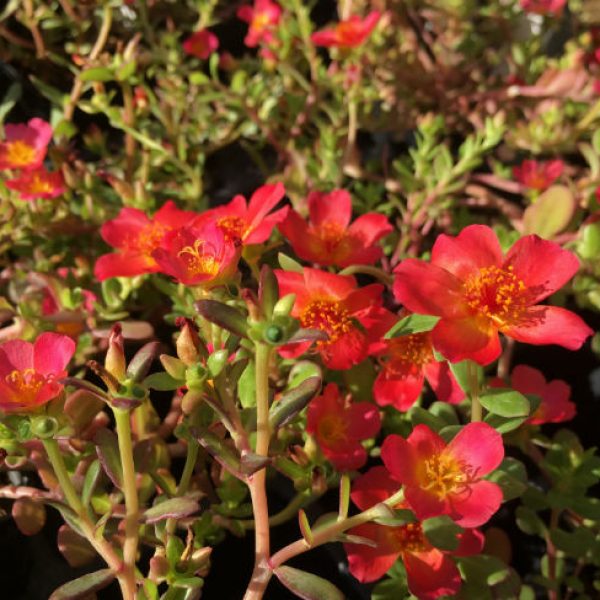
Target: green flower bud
(195,377)
(44,428)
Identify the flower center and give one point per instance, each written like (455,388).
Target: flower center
(233,228)
(409,538)
(328,316)
(414,349)
(330,233)
(443,475)
(26,384)
(20,153)
(260,21)
(149,238)
(40,185)
(198,260)
(496,293)
(332,429)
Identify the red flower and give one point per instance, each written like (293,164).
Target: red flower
(197,256)
(29,373)
(339,425)
(430,572)
(477,292)
(538,175)
(329,238)
(406,361)
(136,236)
(201,44)
(37,184)
(263,17)
(555,405)
(248,223)
(543,7)
(349,33)
(442,479)
(25,146)
(335,305)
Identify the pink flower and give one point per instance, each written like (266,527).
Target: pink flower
(478,291)
(538,175)
(349,33)
(406,362)
(136,236)
(248,222)
(198,255)
(201,44)
(555,405)
(543,7)
(339,425)
(29,373)
(329,238)
(39,183)
(25,146)
(446,479)
(430,572)
(263,18)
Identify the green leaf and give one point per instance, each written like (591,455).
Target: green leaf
(178,508)
(576,544)
(246,386)
(92,476)
(502,425)
(412,324)
(511,476)
(302,370)
(305,529)
(97,74)
(289,264)
(529,522)
(505,403)
(83,586)
(268,291)
(397,517)
(551,213)
(141,362)
(107,448)
(162,382)
(442,532)
(306,585)
(293,401)
(420,416)
(461,369)
(589,246)
(224,316)
(12,96)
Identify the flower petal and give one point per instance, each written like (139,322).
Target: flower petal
(528,380)
(16,355)
(120,264)
(431,574)
(369,563)
(476,507)
(550,325)
(375,486)
(475,247)
(443,382)
(334,207)
(472,338)
(364,421)
(427,289)
(399,390)
(52,353)
(479,446)
(543,266)
(370,228)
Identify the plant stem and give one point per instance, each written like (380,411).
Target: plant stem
(257,482)
(324,535)
(102,546)
(184,483)
(123,423)
(476,408)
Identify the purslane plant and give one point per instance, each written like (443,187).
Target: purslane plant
(345,330)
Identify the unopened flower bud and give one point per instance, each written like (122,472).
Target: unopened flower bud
(115,357)
(188,342)
(159,568)
(190,401)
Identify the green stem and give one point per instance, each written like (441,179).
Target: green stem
(257,482)
(102,546)
(123,423)
(476,408)
(184,483)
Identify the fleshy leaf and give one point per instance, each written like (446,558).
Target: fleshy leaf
(306,585)
(83,586)
(551,212)
(183,506)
